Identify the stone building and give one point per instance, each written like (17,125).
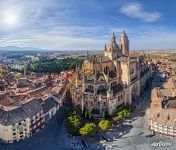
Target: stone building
(19,122)
(110,80)
(162,116)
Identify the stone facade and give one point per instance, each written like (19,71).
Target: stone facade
(107,81)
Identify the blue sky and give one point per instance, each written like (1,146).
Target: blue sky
(87,24)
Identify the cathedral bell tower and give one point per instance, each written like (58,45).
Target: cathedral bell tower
(124,44)
(112,50)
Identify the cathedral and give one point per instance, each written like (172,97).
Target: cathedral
(108,81)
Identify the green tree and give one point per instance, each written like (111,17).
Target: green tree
(3,71)
(90,115)
(86,113)
(104,114)
(104,125)
(88,129)
(124,113)
(73,122)
(18,75)
(54,65)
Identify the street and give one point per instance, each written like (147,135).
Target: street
(131,134)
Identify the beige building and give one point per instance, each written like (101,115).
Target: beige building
(162,116)
(110,80)
(19,122)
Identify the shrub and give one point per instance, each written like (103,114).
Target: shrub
(73,121)
(104,125)
(88,129)
(124,112)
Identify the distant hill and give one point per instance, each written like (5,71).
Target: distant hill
(15,48)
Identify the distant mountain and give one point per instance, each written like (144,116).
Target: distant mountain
(15,48)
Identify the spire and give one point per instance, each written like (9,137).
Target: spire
(87,55)
(105,47)
(124,34)
(113,41)
(113,38)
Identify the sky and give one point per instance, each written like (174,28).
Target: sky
(87,24)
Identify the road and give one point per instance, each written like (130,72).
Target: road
(135,135)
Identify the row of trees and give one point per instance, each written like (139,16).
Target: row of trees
(74,123)
(54,65)
(90,128)
(76,126)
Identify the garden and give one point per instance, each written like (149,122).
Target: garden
(85,125)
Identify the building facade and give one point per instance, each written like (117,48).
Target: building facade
(110,80)
(163,109)
(19,122)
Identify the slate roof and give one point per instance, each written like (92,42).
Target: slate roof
(117,88)
(33,107)
(49,103)
(12,117)
(19,114)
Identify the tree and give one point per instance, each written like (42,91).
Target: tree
(88,129)
(124,113)
(54,65)
(90,115)
(3,71)
(73,122)
(104,114)
(86,113)
(18,75)
(104,125)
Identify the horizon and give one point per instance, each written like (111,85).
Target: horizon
(56,24)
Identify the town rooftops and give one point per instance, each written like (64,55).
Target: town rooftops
(163,106)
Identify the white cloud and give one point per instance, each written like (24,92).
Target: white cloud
(153,38)
(136,10)
(60,37)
